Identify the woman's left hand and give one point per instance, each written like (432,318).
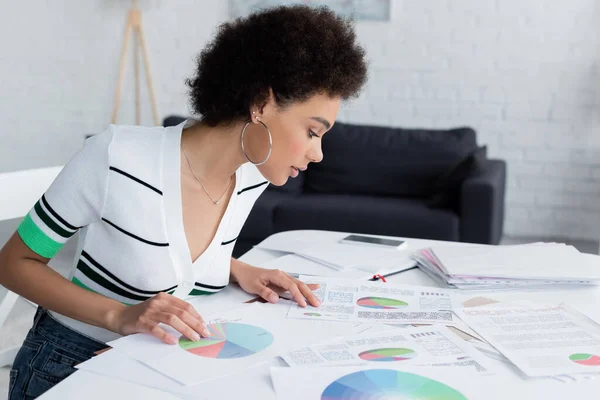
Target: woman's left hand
(267,283)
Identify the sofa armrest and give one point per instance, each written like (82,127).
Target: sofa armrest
(482,204)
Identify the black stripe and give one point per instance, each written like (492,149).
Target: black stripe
(209,286)
(229,241)
(50,223)
(141,182)
(100,280)
(134,236)
(252,187)
(58,217)
(128,286)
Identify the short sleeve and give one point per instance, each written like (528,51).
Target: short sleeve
(75,199)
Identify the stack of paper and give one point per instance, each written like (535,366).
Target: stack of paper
(536,265)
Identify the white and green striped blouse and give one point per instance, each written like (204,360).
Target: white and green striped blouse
(122,192)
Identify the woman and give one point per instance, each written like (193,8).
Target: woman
(159,209)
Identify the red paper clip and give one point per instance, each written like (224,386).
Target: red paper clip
(375,277)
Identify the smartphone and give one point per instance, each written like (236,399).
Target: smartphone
(375,241)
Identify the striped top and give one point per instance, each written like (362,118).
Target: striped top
(122,192)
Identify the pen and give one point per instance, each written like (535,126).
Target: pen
(382,277)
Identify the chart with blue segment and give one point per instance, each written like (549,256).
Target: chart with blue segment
(229,340)
(388,384)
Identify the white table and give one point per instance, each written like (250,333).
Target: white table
(586,300)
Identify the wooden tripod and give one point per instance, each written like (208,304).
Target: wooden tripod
(134,22)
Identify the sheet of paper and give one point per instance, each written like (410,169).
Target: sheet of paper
(378,302)
(299,265)
(118,365)
(378,382)
(540,341)
(429,345)
(240,338)
(339,255)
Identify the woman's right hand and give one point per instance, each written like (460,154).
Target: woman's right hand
(163,308)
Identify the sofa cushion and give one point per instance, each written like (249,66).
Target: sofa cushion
(366,214)
(387,161)
(445,191)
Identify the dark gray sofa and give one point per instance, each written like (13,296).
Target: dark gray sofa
(421,183)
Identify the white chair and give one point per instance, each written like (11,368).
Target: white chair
(20,191)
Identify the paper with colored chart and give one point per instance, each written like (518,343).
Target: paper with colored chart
(241,338)
(541,340)
(120,366)
(425,345)
(380,382)
(378,302)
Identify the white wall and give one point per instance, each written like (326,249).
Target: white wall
(524,73)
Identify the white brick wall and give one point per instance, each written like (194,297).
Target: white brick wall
(524,73)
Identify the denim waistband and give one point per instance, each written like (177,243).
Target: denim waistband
(57,333)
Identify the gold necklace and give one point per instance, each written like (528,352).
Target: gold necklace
(201,184)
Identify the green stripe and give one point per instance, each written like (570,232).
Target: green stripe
(50,222)
(81,284)
(37,240)
(196,292)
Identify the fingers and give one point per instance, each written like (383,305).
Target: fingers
(176,323)
(307,291)
(160,333)
(269,295)
(188,314)
(176,313)
(284,281)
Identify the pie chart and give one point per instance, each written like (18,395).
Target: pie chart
(390,354)
(381,303)
(388,384)
(229,340)
(585,359)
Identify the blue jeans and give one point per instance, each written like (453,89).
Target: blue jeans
(48,355)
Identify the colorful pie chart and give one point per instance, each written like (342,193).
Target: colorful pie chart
(390,354)
(388,384)
(585,359)
(381,303)
(229,340)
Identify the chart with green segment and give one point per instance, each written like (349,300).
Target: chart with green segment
(229,340)
(585,359)
(389,354)
(388,384)
(382,303)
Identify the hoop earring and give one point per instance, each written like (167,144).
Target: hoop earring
(270,144)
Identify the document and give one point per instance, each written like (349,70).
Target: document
(298,265)
(540,341)
(378,302)
(377,382)
(120,366)
(427,345)
(241,338)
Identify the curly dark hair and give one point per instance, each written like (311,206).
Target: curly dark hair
(296,51)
